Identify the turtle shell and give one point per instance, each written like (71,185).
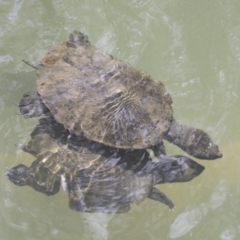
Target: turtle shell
(90,92)
(97,178)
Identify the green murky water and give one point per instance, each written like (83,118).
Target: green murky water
(193,47)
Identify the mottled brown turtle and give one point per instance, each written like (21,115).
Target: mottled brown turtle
(97,178)
(109,101)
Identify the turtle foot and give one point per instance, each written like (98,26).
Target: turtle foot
(31,105)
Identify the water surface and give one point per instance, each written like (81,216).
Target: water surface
(193,47)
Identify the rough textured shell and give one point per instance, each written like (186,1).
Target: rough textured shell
(110,101)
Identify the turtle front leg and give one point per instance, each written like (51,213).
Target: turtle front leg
(159,149)
(156,195)
(26,149)
(194,141)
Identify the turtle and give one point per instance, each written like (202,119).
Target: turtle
(97,178)
(109,101)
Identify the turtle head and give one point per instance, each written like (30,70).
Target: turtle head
(18,175)
(176,169)
(188,169)
(195,142)
(200,145)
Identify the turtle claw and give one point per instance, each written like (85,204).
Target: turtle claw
(172,209)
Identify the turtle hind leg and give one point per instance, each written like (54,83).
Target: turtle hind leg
(31,105)
(156,195)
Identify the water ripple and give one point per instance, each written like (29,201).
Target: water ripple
(189,219)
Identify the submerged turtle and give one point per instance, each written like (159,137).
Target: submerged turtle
(109,101)
(96,177)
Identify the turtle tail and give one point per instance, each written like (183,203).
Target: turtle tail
(78,38)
